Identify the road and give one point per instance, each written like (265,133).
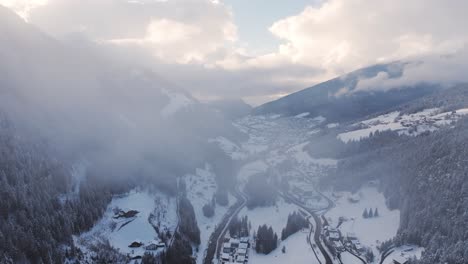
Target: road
(318,226)
(216,239)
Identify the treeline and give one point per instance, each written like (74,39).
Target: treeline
(369,213)
(239,227)
(260,191)
(296,222)
(266,240)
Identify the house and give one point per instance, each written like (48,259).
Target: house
(225,257)
(155,245)
(135,244)
(400,260)
(351,236)
(240,259)
(334,234)
(243,245)
(234,242)
(227,247)
(338,246)
(241,252)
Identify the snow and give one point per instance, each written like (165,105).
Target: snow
(302,157)
(274,216)
(177,101)
(302,115)
(78,174)
(229,147)
(298,251)
(348,258)
(250,169)
(333,125)
(406,252)
(371,231)
(410,124)
(201,187)
(319,119)
(128,230)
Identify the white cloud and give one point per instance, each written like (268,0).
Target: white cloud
(195,42)
(342,35)
(23,7)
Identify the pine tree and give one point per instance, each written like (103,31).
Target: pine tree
(365,214)
(371,213)
(376,212)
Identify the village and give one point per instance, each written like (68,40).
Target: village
(235,250)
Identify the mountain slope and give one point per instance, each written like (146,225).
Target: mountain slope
(63,105)
(339,100)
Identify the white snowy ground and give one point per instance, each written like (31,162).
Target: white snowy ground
(251,169)
(274,216)
(413,124)
(348,258)
(371,231)
(201,187)
(298,251)
(177,101)
(133,229)
(407,252)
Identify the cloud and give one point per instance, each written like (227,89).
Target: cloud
(23,7)
(195,42)
(343,35)
(445,70)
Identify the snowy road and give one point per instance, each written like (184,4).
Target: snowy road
(216,238)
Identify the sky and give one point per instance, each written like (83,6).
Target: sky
(257,50)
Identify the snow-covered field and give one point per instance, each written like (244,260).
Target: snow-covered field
(201,187)
(412,124)
(348,258)
(177,101)
(122,232)
(370,231)
(298,251)
(274,216)
(404,252)
(250,169)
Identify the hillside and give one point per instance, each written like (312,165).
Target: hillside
(79,129)
(338,100)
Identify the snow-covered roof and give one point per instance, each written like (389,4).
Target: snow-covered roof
(240,259)
(400,259)
(225,256)
(334,235)
(241,251)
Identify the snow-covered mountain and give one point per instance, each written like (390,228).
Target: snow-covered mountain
(341,99)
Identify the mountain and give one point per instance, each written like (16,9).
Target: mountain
(232,108)
(339,100)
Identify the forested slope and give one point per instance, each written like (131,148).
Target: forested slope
(427,178)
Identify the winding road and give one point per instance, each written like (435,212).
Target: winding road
(318,226)
(216,239)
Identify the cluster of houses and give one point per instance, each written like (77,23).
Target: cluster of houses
(235,251)
(138,247)
(333,238)
(352,242)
